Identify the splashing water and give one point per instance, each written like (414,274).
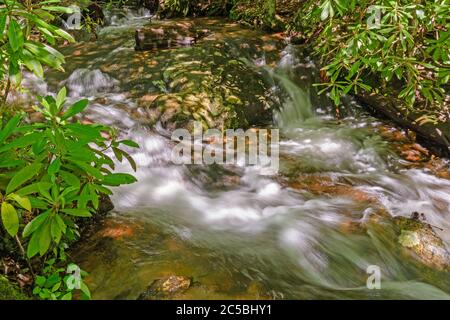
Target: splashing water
(307,233)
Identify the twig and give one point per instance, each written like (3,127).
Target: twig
(24,255)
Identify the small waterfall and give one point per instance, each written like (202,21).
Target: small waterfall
(297,108)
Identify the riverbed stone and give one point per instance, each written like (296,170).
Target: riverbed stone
(421,241)
(165,288)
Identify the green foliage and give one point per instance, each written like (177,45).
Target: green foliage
(52,173)
(58,283)
(194,8)
(28,38)
(9,291)
(372,44)
(259,13)
(177,7)
(59,167)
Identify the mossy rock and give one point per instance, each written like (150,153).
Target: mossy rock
(9,291)
(421,241)
(207,83)
(166,288)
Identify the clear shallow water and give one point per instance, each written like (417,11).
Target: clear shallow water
(308,233)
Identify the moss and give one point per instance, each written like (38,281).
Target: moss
(9,291)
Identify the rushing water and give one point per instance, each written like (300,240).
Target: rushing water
(304,234)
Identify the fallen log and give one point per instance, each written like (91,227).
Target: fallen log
(167,37)
(435,136)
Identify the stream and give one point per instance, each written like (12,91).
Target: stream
(309,232)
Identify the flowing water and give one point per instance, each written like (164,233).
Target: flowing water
(307,233)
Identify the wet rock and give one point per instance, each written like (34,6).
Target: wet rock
(207,84)
(325,186)
(419,238)
(164,37)
(435,136)
(166,288)
(213,177)
(439,167)
(414,152)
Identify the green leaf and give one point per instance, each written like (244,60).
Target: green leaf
(23,176)
(67,296)
(2,24)
(9,127)
(15,74)
(65,35)
(22,141)
(56,231)
(10,219)
(33,65)
(118,154)
(56,286)
(33,245)
(61,97)
(89,169)
(117,179)
(77,212)
(70,179)
(61,223)
(34,224)
(84,288)
(130,160)
(15,35)
(44,238)
(67,10)
(54,166)
(129,143)
(75,109)
(24,202)
(43,190)
(40,281)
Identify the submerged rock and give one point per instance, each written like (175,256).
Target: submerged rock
(165,288)
(422,241)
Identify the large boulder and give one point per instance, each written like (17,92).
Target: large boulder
(207,83)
